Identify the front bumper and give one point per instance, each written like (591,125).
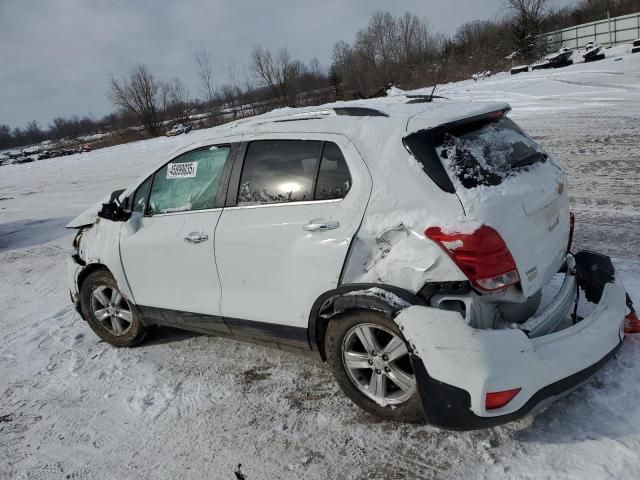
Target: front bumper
(456,365)
(73,273)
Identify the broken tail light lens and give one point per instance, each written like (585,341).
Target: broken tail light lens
(482,256)
(631,323)
(500,399)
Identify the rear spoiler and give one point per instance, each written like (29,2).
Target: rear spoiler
(476,118)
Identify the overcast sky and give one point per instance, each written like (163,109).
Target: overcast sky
(56,56)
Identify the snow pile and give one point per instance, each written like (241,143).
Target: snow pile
(394,91)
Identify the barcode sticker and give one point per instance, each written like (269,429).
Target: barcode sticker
(182,170)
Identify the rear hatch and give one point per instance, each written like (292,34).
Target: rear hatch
(505,180)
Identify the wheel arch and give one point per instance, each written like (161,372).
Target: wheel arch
(86,271)
(357,296)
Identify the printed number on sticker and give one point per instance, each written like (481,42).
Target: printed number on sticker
(182,170)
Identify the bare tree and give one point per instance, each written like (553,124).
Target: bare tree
(387,50)
(177,100)
(204,72)
(315,69)
(279,73)
(142,96)
(234,83)
(527,25)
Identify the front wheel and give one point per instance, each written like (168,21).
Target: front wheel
(371,363)
(108,312)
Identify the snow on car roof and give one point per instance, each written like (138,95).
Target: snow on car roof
(338,116)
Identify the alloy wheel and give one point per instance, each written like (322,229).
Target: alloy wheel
(111,310)
(378,363)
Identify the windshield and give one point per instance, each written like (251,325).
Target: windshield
(484,153)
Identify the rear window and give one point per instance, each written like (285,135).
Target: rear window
(334,179)
(478,153)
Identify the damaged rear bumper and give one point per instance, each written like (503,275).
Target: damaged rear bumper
(456,365)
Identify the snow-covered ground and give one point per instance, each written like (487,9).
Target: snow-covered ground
(189,406)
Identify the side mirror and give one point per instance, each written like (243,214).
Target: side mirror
(114,210)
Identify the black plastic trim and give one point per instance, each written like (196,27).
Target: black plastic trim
(78,260)
(223,188)
(458,287)
(593,271)
(427,157)
(236,173)
(359,112)
(449,407)
(318,322)
(196,322)
(233,327)
(272,332)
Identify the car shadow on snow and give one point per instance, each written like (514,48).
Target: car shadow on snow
(161,335)
(605,407)
(29,233)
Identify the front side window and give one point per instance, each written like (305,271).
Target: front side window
(189,182)
(278,171)
(140,198)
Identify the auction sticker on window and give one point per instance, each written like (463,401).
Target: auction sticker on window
(182,170)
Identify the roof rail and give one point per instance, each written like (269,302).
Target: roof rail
(292,116)
(359,112)
(422,98)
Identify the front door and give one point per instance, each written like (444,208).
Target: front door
(284,242)
(167,246)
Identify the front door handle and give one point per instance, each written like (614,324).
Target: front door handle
(196,237)
(320,225)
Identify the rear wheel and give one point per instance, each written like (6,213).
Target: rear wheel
(108,312)
(371,363)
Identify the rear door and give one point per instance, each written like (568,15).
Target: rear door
(283,239)
(167,246)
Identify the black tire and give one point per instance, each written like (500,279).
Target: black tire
(410,411)
(136,330)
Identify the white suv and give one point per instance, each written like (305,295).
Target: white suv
(407,242)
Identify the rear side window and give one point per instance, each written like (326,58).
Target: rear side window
(189,182)
(277,171)
(477,153)
(334,180)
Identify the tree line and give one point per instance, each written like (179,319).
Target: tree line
(405,51)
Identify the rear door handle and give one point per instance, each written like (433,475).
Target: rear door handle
(196,237)
(320,225)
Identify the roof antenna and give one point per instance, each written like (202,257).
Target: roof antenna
(448,49)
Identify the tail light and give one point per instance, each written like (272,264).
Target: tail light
(482,256)
(572,224)
(500,399)
(631,323)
